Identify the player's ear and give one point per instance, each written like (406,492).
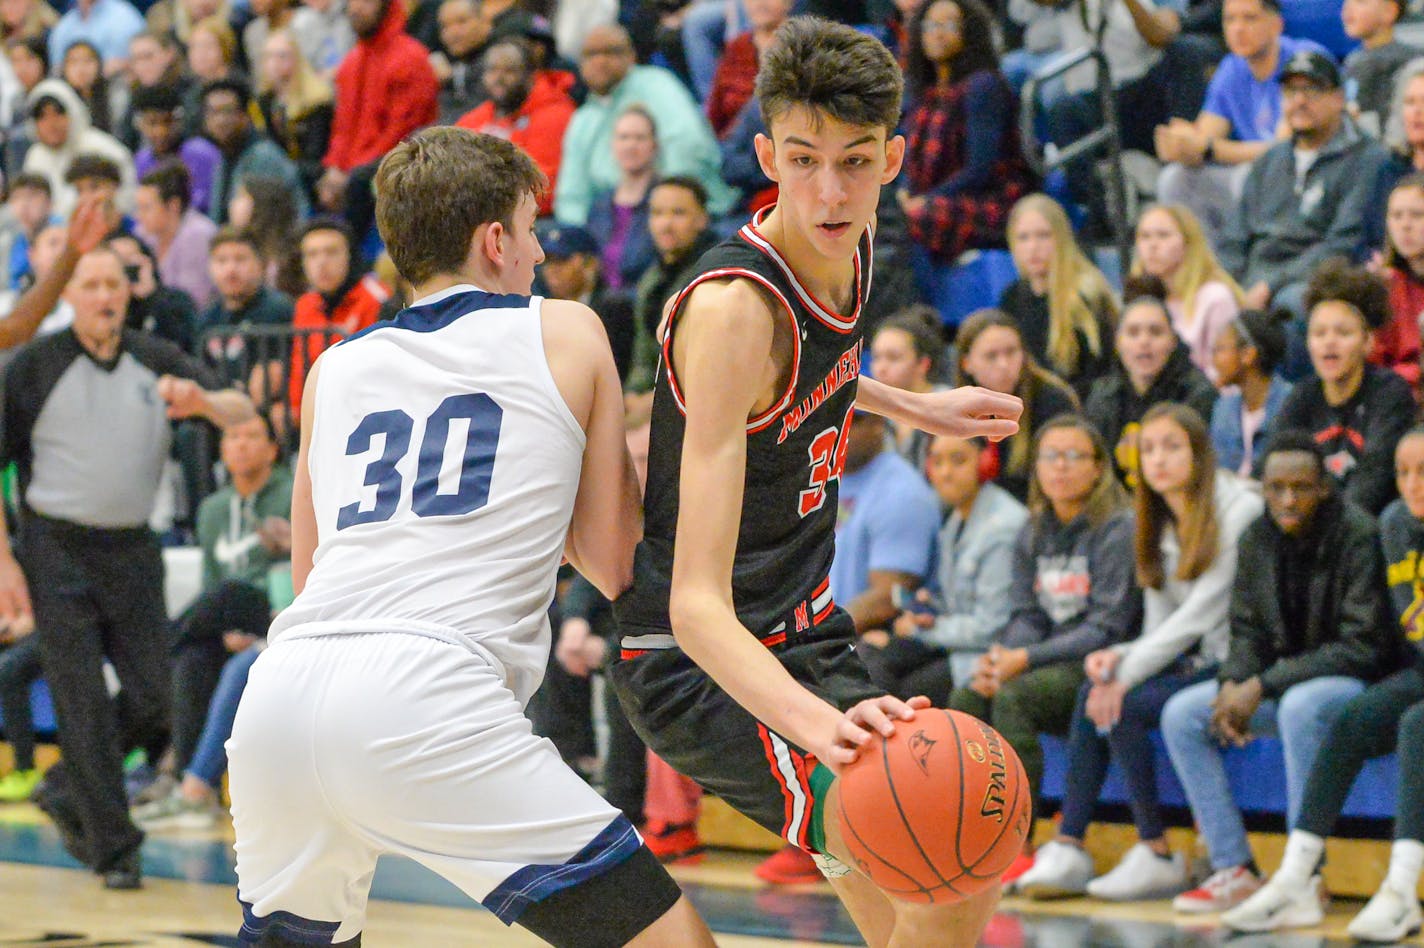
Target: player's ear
(894,158)
(492,242)
(766,156)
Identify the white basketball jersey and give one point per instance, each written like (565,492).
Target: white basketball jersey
(444,465)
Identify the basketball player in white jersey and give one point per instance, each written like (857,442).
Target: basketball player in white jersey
(448,460)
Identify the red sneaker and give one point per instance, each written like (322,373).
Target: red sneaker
(790,866)
(1018,867)
(674,844)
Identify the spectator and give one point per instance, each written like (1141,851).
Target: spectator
(345,297)
(178,234)
(1396,343)
(267,208)
(1355,411)
(106,24)
(886,531)
(991,354)
(734,82)
(964,164)
(1071,593)
(27,58)
(156,61)
(27,208)
(94,176)
(1370,69)
(1404,137)
(212,54)
(26,19)
(297,106)
(1308,626)
(96,388)
(1190,517)
(1202,297)
(385,89)
(459,63)
(161,311)
(620,215)
(245,536)
(1063,304)
(181,17)
(526,107)
(947,625)
(158,115)
(1246,354)
(1382,719)
(686,145)
(245,153)
(83,70)
(677,218)
(1304,199)
(571,272)
(269,16)
(19,669)
(700,30)
(905,353)
(1152,366)
(331,36)
(1207,160)
(60,130)
(242,298)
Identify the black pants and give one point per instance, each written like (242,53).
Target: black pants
(1386,716)
(19,667)
(199,654)
(98,594)
(909,666)
(361,200)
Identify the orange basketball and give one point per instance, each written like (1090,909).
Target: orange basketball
(937,812)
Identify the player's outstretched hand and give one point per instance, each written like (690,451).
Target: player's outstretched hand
(863,721)
(970,412)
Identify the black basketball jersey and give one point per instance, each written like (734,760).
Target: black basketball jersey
(795,452)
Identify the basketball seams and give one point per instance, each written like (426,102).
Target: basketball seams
(959,810)
(905,820)
(869,850)
(1008,824)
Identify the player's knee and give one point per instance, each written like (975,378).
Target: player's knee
(610,909)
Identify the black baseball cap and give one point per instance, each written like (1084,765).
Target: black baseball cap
(561,242)
(1317,67)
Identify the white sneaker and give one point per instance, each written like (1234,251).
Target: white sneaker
(1222,890)
(1059,870)
(1276,905)
(1142,874)
(174,812)
(1388,917)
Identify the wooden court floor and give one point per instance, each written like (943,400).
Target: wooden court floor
(189,900)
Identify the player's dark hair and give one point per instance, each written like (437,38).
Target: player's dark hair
(831,69)
(92,166)
(688,184)
(436,188)
(172,182)
(1336,281)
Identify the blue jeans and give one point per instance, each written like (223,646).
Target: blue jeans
(1301,718)
(704,33)
(210,758)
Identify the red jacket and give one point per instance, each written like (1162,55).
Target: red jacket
(733,85)
(385,89)
(1397,342)
(538,127)
(359,308)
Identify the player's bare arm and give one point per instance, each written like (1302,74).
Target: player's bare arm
(965,412)
(608,512)
(303,513)
(725,357)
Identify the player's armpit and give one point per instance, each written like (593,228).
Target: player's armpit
(303,513)
(723,341)
(608,514)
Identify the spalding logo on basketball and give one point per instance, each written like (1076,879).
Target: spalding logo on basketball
(937,812)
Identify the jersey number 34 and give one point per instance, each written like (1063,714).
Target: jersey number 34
(828,455)
(476,466)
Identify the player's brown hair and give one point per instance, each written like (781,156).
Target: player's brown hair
(438,186)
(831,69)
(1197,534)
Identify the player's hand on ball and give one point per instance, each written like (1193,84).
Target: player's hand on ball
(971,412)
(862,722)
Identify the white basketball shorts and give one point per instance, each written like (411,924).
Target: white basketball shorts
(349,746)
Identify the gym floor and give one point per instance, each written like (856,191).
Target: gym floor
(189,900)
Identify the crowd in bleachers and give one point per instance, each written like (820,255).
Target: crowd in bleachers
(1189,533)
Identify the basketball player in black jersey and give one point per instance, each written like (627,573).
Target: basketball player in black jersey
(735,664)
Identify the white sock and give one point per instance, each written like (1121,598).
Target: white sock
(1406,859)
(1303,852)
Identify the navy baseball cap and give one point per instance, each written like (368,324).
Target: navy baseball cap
(561,242)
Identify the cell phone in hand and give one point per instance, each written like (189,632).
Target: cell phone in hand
(907,600)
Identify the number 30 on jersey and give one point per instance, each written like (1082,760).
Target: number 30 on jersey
(475,468)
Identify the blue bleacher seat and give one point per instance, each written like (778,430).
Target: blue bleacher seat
(974,282)
(1318,20)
